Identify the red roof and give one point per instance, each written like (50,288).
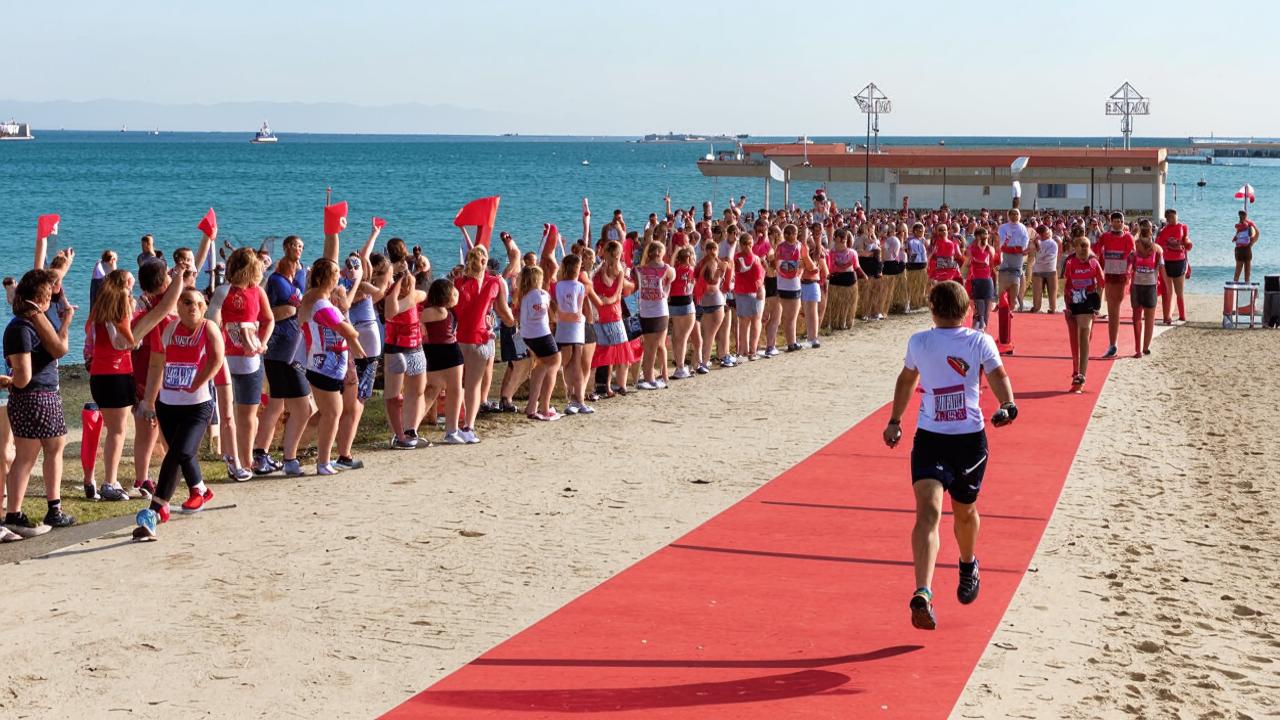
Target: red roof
(898,156)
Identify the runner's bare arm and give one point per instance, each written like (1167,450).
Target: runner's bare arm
(902,392)
(1000,385)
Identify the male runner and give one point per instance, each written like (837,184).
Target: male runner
(949,453)
(1014,240)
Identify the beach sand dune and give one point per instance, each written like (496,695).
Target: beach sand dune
(1153,591)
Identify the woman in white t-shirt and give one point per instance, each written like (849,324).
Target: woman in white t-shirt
(535,330)
(1044,269)
(949,453)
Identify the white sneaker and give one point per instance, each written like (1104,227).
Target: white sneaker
(454,438)
(681,373)
(646,385)
(728,362)
(772,352)
(660,384)
(585,409)
(571,408)
(469,436)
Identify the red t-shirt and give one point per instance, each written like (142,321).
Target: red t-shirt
(609,312)
(1082,277)
(683,284)
(944,262)
(475,298)
(980,262)
(1114,249)
(746,280)
(107,360)
(1173,240)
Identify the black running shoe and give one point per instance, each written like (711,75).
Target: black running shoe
(967,590)
(922,616)
(55,518)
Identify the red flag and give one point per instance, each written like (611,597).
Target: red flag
(1246,193)
(379,222)
(47,225)
(209,224)
(335,218)
(482,213)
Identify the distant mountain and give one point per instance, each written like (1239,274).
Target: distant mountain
(284,117)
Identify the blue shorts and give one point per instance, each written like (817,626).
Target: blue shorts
(810,292)
(749,306)
(246,388)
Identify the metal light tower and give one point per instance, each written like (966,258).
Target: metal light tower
(871,102)
(1127,102)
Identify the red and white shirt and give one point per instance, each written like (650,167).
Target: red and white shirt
(951,362)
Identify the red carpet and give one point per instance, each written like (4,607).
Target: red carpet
(793,602)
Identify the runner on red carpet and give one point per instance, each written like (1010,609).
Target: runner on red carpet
(949,453)
(1083,280)
(1114,247)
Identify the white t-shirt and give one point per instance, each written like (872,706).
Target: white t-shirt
(1013,234)
(950,362)
(534,320)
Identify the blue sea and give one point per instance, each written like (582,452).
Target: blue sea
(111,187)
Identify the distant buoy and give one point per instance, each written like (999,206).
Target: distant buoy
(1201,183)
(586,162)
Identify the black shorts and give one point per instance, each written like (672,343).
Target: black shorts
(1175,268)
(844,278)
(771,286)
(959,462)
(285,380)
(871,266)
(511,350)
(893,267)
(1143,296)
(323,382)
(651,325)
(542,347)
(113,391)
(916,266)
(1092,304)
(442,356)
(589,334)
(789,294)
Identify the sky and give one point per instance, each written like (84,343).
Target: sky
(575,67)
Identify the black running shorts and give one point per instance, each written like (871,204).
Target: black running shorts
(958,462)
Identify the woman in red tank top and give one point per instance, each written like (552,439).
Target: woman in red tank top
(405,375)
(114,323)
(444,359)
(1083,280)
(1145,265)
(245,316)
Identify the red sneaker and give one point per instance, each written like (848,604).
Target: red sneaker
(196,501)
(163,512)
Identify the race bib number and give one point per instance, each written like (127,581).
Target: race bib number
(1078,297)
(1115,263)
(179,376)
(1242,237)
(948,404)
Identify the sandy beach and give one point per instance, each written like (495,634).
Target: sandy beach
(356,592)
(1152,587)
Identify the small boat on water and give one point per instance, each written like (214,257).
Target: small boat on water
(14,130)
(264,136)
(586,162)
